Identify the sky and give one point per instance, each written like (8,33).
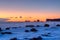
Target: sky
(29,9)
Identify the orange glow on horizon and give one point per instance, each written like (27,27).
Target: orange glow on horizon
(23,19)
(41,15)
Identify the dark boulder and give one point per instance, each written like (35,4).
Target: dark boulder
(37,25)
(13,39)
(46,25)
(0,29)
(7,28)
(58,25)
(48,34)
(6,33)
(2,33)
(30,26)
(38,38)
(26,30)
(33,30)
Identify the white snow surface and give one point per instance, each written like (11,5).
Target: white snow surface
(20,33)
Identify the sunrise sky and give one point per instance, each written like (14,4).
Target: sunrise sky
(29,9)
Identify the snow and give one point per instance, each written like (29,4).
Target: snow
(19,31)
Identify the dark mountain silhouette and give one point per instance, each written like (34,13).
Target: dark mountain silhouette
(53,19)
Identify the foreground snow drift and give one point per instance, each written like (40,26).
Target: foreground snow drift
(45,32)
(31,31)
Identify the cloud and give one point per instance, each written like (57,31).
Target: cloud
(3,19)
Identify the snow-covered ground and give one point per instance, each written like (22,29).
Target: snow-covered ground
(22,24)
(19,32)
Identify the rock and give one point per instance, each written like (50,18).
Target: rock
(2,33)
(46,25)
(47,34)
(26,38)
(6,33)
(38,38)
(58,25)
(26,30)
(30,26)
(7,28)
(38,26)
(0,29)
(14,39)
(33,30)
